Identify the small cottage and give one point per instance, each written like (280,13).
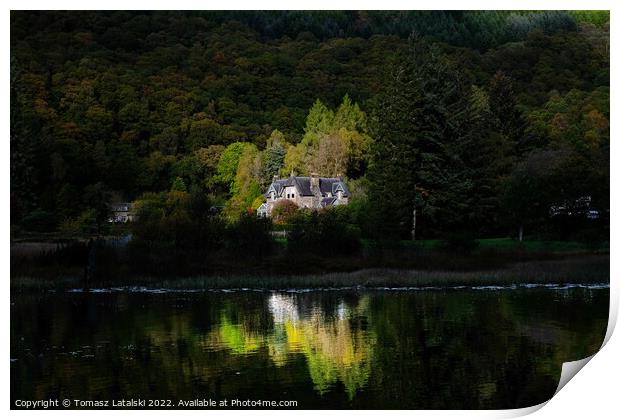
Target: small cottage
(312,192)
(121,213)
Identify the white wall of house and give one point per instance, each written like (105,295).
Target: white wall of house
(290,193)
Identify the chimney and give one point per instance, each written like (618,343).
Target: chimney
(314,186)
(275,178)
(339,176)
(314,180)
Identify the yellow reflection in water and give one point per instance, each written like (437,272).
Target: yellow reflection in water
(333,350)
(334,346)
(237,337)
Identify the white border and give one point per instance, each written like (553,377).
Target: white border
(592,394)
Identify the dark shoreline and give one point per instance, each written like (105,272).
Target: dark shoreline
(582,269)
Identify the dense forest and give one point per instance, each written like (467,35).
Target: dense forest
(444,124)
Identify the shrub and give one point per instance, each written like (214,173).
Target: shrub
(283,211)
(250,236)
(39,221)
(173,233)
(86,222)
(325,232)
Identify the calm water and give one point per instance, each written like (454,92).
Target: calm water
(331,349)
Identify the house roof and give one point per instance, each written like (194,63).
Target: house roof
(326,185)
(328,201)
(121,206)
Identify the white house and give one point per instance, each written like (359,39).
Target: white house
(121,213)
(307,192)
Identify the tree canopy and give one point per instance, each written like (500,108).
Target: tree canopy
(445,114)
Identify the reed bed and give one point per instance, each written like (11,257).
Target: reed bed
(567,270)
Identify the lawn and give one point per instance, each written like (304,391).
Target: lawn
(509,244)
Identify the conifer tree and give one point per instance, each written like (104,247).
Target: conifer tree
(418,123)
(274,155)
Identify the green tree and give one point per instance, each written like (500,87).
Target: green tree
(418,123)
(167,142)
(97,198)
(333,143)
(489,157)
(274,156)
(532,188)
(229,162)
(100,157)
(178,185)
(320,120)
(246,186)
(503,106)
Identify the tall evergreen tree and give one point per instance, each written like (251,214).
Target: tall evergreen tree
(417,124)
(274,156)
(488,156)
(503,106)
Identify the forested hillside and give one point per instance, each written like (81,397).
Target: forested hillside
(476,122)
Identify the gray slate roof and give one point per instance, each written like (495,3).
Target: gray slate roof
(327,201)
(332,185)
(121,207)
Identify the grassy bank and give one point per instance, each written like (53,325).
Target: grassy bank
(569,269)
(512,245)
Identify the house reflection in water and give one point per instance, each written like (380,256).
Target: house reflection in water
(334,349)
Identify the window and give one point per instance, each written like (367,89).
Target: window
(288,196)
(293,195)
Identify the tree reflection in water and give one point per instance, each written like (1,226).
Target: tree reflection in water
(370,349)
(334,347)
(334,344)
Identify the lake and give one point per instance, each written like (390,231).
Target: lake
(408,349)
